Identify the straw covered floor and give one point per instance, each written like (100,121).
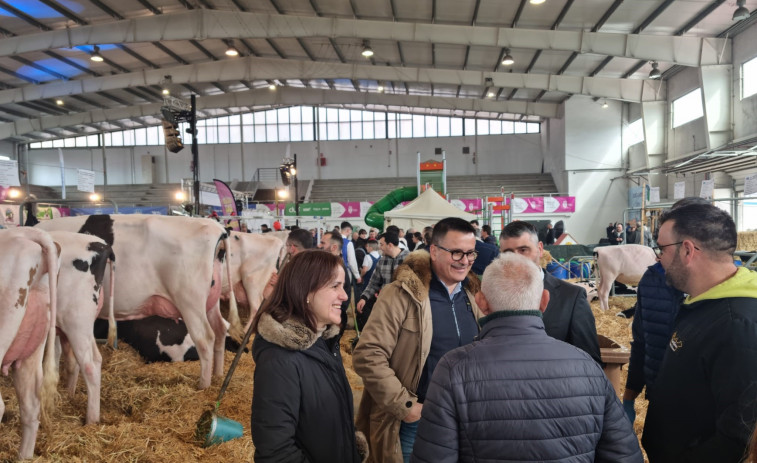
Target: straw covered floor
(149,412)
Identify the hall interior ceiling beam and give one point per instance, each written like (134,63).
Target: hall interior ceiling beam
(202,24)
(281,97)
(253,68)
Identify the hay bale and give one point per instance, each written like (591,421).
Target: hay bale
(747,241)
(546,258)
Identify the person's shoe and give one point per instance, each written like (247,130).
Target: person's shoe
(621,314)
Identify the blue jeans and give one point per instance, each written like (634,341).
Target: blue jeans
(407,438)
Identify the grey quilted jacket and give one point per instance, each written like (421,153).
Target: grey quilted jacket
(518,395)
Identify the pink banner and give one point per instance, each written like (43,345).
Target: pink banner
(560,204)
(468,205)
(345,209)
(527,205)
(228,206)
(272,207)
(542,205)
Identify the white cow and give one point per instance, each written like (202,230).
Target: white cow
(27,314)
(625,263)
(83,259)
(252,260)
(170,267)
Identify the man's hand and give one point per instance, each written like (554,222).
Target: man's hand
(360,305)
(628,407)
(415,413)
(360,279)
(269,286)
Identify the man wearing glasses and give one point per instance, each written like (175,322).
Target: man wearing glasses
(428,310)
(653,315)
(703,404)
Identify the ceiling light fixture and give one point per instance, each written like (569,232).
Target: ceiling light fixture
(605,105)
(367,50)
(272,87)
(165,85)
(537,2)
(490,94)
(231,51)
(508,59)
(741,12)
(96,56)
(59,102)
(655,72)
(380,88)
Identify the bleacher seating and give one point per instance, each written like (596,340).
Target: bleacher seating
(159,194)
(472,186)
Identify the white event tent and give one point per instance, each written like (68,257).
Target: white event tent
(425,210)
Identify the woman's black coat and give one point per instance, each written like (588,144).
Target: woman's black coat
(302,407)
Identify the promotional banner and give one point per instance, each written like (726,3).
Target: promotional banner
(228,205)
(543,205)
(527,205)
(559,204)
(346,209)
(354,209)
(310,209)
(157,210)
(272,207)
(10,215)
(468,205)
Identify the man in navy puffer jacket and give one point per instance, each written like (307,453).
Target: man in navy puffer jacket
(656,309)
(517,394)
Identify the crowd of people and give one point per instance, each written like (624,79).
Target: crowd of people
(502,364)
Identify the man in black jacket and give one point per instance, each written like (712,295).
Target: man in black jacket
(568,316)
(518,394)
(703,404)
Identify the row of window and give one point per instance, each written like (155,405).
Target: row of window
(689,106)
(306,123)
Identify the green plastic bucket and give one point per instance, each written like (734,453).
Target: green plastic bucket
(214,429)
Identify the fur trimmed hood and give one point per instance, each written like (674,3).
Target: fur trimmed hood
(415,274)
(291,334)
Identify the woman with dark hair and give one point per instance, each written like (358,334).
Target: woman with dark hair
(302,407)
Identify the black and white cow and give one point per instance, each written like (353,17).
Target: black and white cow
(158,339)
(83,260)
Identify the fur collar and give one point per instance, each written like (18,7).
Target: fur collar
(291,334)
(415,273)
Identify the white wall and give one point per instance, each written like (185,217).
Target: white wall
(7,149)
(553,145)
(745,111)
(595,166)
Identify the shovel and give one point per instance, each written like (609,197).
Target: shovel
(212,428)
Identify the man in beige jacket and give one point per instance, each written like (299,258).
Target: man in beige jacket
(428,310)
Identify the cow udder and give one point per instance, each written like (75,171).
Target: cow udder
(32,331)
(156,305)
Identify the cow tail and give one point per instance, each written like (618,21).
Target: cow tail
(50,376)
(112,330)
(235,329)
